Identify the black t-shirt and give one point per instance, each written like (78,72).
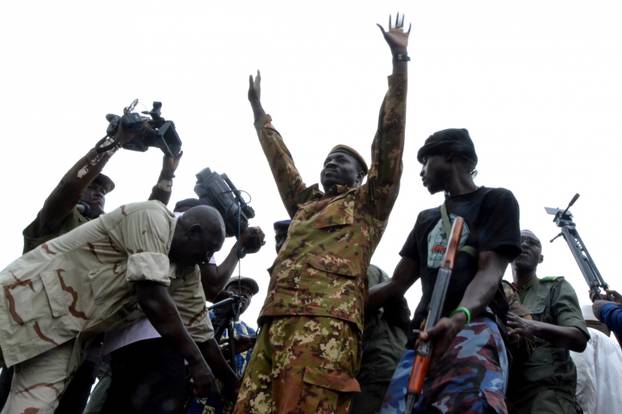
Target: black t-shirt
(491,219)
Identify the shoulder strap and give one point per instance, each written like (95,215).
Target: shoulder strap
(470,250)
(551,278)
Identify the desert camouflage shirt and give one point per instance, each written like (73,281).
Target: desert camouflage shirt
(81,282)
(321,268)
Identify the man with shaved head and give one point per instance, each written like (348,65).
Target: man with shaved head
(104,274)
(545,382)
(318,282)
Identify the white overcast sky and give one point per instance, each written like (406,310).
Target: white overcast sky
(537,83)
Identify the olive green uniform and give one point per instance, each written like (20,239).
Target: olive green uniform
(319,276)
(546,381)
(384,341)
(33,236)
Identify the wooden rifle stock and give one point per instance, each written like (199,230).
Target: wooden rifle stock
(435,308)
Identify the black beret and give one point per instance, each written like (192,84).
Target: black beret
(281,225)
(105,181)
(448,141)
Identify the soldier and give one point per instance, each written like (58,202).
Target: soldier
(546,382)
(469,366)
(79,197)
(384,340)
(92,279)
(307,353)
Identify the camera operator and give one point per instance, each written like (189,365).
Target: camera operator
(241,291)
(79,197)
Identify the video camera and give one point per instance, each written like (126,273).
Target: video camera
(218,191)
(153,131)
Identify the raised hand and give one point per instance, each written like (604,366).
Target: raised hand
(396,37)
(254,88)
(170,164)
(252,239)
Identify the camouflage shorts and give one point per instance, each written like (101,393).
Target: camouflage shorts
(471,378)
(301,364)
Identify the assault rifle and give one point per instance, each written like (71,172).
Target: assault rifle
(435,309)
(563,219)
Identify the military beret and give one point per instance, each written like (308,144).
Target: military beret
(105,181)
(281,225)
(247,281)
(351,151)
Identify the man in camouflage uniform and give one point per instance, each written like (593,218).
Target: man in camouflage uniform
(308,352)
(92,279)
(546,381)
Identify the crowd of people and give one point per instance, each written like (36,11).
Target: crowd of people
(108,312)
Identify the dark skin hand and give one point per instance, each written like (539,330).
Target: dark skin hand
(610,295)
(561,336)
(215,358)
(397,40)
(242,343)
(74,184)
(161,311)
(395,37)
(254,95)
(169,166)
(477,295)
(214,278)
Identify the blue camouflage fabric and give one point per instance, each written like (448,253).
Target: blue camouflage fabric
(471,378)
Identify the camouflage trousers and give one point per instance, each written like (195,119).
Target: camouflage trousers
(38,382)
(301,364)
(470,378)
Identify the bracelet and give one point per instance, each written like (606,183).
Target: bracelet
(402,57)
(165,185)
(465,311)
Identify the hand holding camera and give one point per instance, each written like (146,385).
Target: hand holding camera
(136,132)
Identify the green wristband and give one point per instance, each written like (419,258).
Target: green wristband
(465,311)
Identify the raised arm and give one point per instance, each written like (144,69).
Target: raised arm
(214,278)
(162,190)
(388,145)
(69,190)
(284,170)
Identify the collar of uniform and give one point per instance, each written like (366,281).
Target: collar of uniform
(342,189)
(528,285)
(315,192)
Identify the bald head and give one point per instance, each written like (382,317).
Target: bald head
(200,231)
(208,218)
(531,255)
(530,234)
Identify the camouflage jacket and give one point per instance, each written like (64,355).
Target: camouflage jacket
(321,268)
